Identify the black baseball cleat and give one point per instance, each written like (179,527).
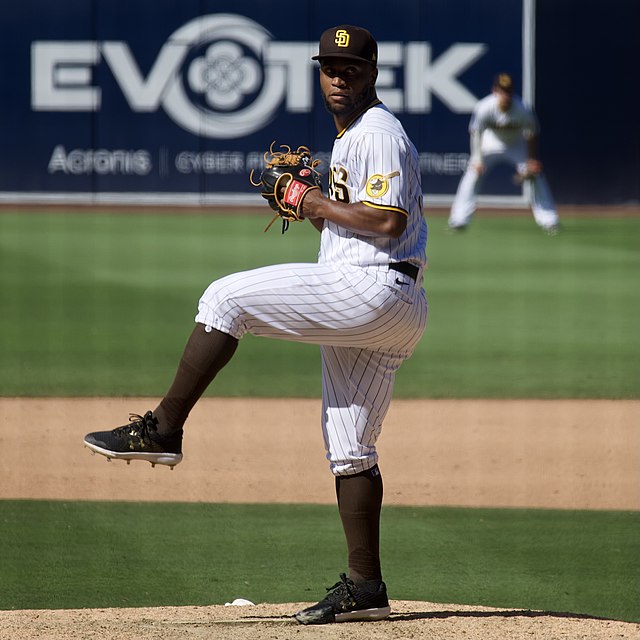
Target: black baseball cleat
(349,602)
(138,440)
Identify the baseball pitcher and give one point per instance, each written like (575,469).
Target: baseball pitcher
(362,301)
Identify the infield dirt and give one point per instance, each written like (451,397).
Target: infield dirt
(564,454)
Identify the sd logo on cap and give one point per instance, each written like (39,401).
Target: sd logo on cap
(348,41)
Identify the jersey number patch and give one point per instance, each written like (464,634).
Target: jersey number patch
(338,189)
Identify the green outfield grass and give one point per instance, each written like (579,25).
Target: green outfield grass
(86,554)
(102,304)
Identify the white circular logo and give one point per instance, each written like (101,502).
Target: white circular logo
(224,75)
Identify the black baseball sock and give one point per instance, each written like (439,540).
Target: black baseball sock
(204,355)
(359,504)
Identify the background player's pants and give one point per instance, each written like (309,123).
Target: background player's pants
(541,200)
(368,321)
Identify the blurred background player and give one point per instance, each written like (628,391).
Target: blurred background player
(503,129)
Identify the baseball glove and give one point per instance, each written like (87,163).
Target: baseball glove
(286,179)
(528,171)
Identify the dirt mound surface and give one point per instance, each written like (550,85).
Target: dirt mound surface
(409,620)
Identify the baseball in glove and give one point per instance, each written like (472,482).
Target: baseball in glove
(286,179)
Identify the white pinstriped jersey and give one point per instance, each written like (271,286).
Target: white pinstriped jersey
(501,131)
(373,161)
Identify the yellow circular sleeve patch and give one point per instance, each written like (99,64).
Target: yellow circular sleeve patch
(378,185)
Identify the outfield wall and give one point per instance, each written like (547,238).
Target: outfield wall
(587,98)
(146,101)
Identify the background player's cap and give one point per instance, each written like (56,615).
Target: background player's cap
(347,41)
(504,82)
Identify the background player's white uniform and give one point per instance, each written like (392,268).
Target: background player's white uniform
(503,138)
(367,317)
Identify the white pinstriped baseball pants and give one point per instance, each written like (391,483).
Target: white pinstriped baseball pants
(367,321)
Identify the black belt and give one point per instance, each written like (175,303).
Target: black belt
(407,268)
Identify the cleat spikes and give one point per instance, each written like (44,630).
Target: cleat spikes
(138,440)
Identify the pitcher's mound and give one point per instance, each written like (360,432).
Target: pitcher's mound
(415,620)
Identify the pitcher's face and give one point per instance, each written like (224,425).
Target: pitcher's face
(347,85)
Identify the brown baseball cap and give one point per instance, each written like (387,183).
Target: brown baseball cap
(503,82)
(348,41)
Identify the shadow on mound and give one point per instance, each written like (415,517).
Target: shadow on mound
(512,613)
